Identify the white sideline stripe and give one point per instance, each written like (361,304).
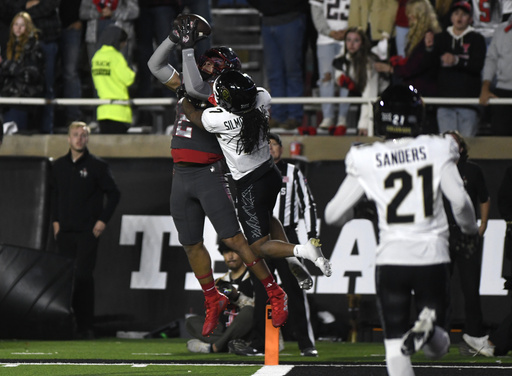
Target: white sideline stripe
(27,353)
(273,371)
(159,354)
(16,364)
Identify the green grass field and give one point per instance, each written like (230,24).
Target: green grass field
(113,356)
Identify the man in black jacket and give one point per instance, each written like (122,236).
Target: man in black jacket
(499,341)
(79,216)
(460,52)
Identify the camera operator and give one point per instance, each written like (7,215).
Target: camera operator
(237,320)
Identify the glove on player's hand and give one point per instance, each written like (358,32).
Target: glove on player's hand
(174,34)
(463,244)
(189,35)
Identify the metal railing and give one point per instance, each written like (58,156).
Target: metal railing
(295,100)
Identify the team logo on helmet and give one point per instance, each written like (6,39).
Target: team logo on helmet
(225,95)
(399,112)
(235,92)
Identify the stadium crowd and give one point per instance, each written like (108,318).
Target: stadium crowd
(438,46)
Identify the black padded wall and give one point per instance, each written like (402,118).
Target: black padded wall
(35,294)
(24,201)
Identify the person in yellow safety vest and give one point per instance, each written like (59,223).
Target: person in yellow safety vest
(112,76)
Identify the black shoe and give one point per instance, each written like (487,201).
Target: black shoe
(241,347)
(310,351)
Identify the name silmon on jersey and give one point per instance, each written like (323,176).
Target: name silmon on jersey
(233,124)
(401,156)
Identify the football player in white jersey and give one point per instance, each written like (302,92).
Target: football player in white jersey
(406,176)
(240,121)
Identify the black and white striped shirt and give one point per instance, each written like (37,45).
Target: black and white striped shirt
(295,200)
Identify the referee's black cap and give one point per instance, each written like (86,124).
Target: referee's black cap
(275,137)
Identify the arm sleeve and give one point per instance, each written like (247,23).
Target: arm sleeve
(306,202)
(194,84)
(319,20)
(462,208)
(338,210)
(158,64)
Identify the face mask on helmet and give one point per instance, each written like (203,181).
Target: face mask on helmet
(235,92)
(399,112)
(218,60)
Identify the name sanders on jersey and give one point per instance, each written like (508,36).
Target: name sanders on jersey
(401,156)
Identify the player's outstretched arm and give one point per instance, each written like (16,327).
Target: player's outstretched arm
(340,209)
(194,84)
(161,69)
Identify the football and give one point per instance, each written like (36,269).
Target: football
(203,27)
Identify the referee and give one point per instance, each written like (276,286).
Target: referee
(295,201)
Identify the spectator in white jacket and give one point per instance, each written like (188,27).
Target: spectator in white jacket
(355,71)
(331,22)
(497,67)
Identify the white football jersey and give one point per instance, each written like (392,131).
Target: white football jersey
(403,178)
(336,14)
(486,21)
(227,126)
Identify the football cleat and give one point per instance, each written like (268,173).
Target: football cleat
(312,251)
(244,348)
(300,272)
(279,303)
(214,306)
(420,333)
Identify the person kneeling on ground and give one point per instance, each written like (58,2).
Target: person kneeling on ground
(236,322)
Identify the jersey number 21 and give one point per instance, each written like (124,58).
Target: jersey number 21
(406,180)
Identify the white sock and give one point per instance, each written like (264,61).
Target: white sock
(438,345)
(296,250)
(397,363)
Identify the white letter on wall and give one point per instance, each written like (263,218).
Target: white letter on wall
(152,228)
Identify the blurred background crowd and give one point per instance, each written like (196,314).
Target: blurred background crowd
(294,48)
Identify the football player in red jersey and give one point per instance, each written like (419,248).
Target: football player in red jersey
(200,189)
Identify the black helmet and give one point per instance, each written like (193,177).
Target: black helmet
(235,92)
(399,112)
(223,59)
